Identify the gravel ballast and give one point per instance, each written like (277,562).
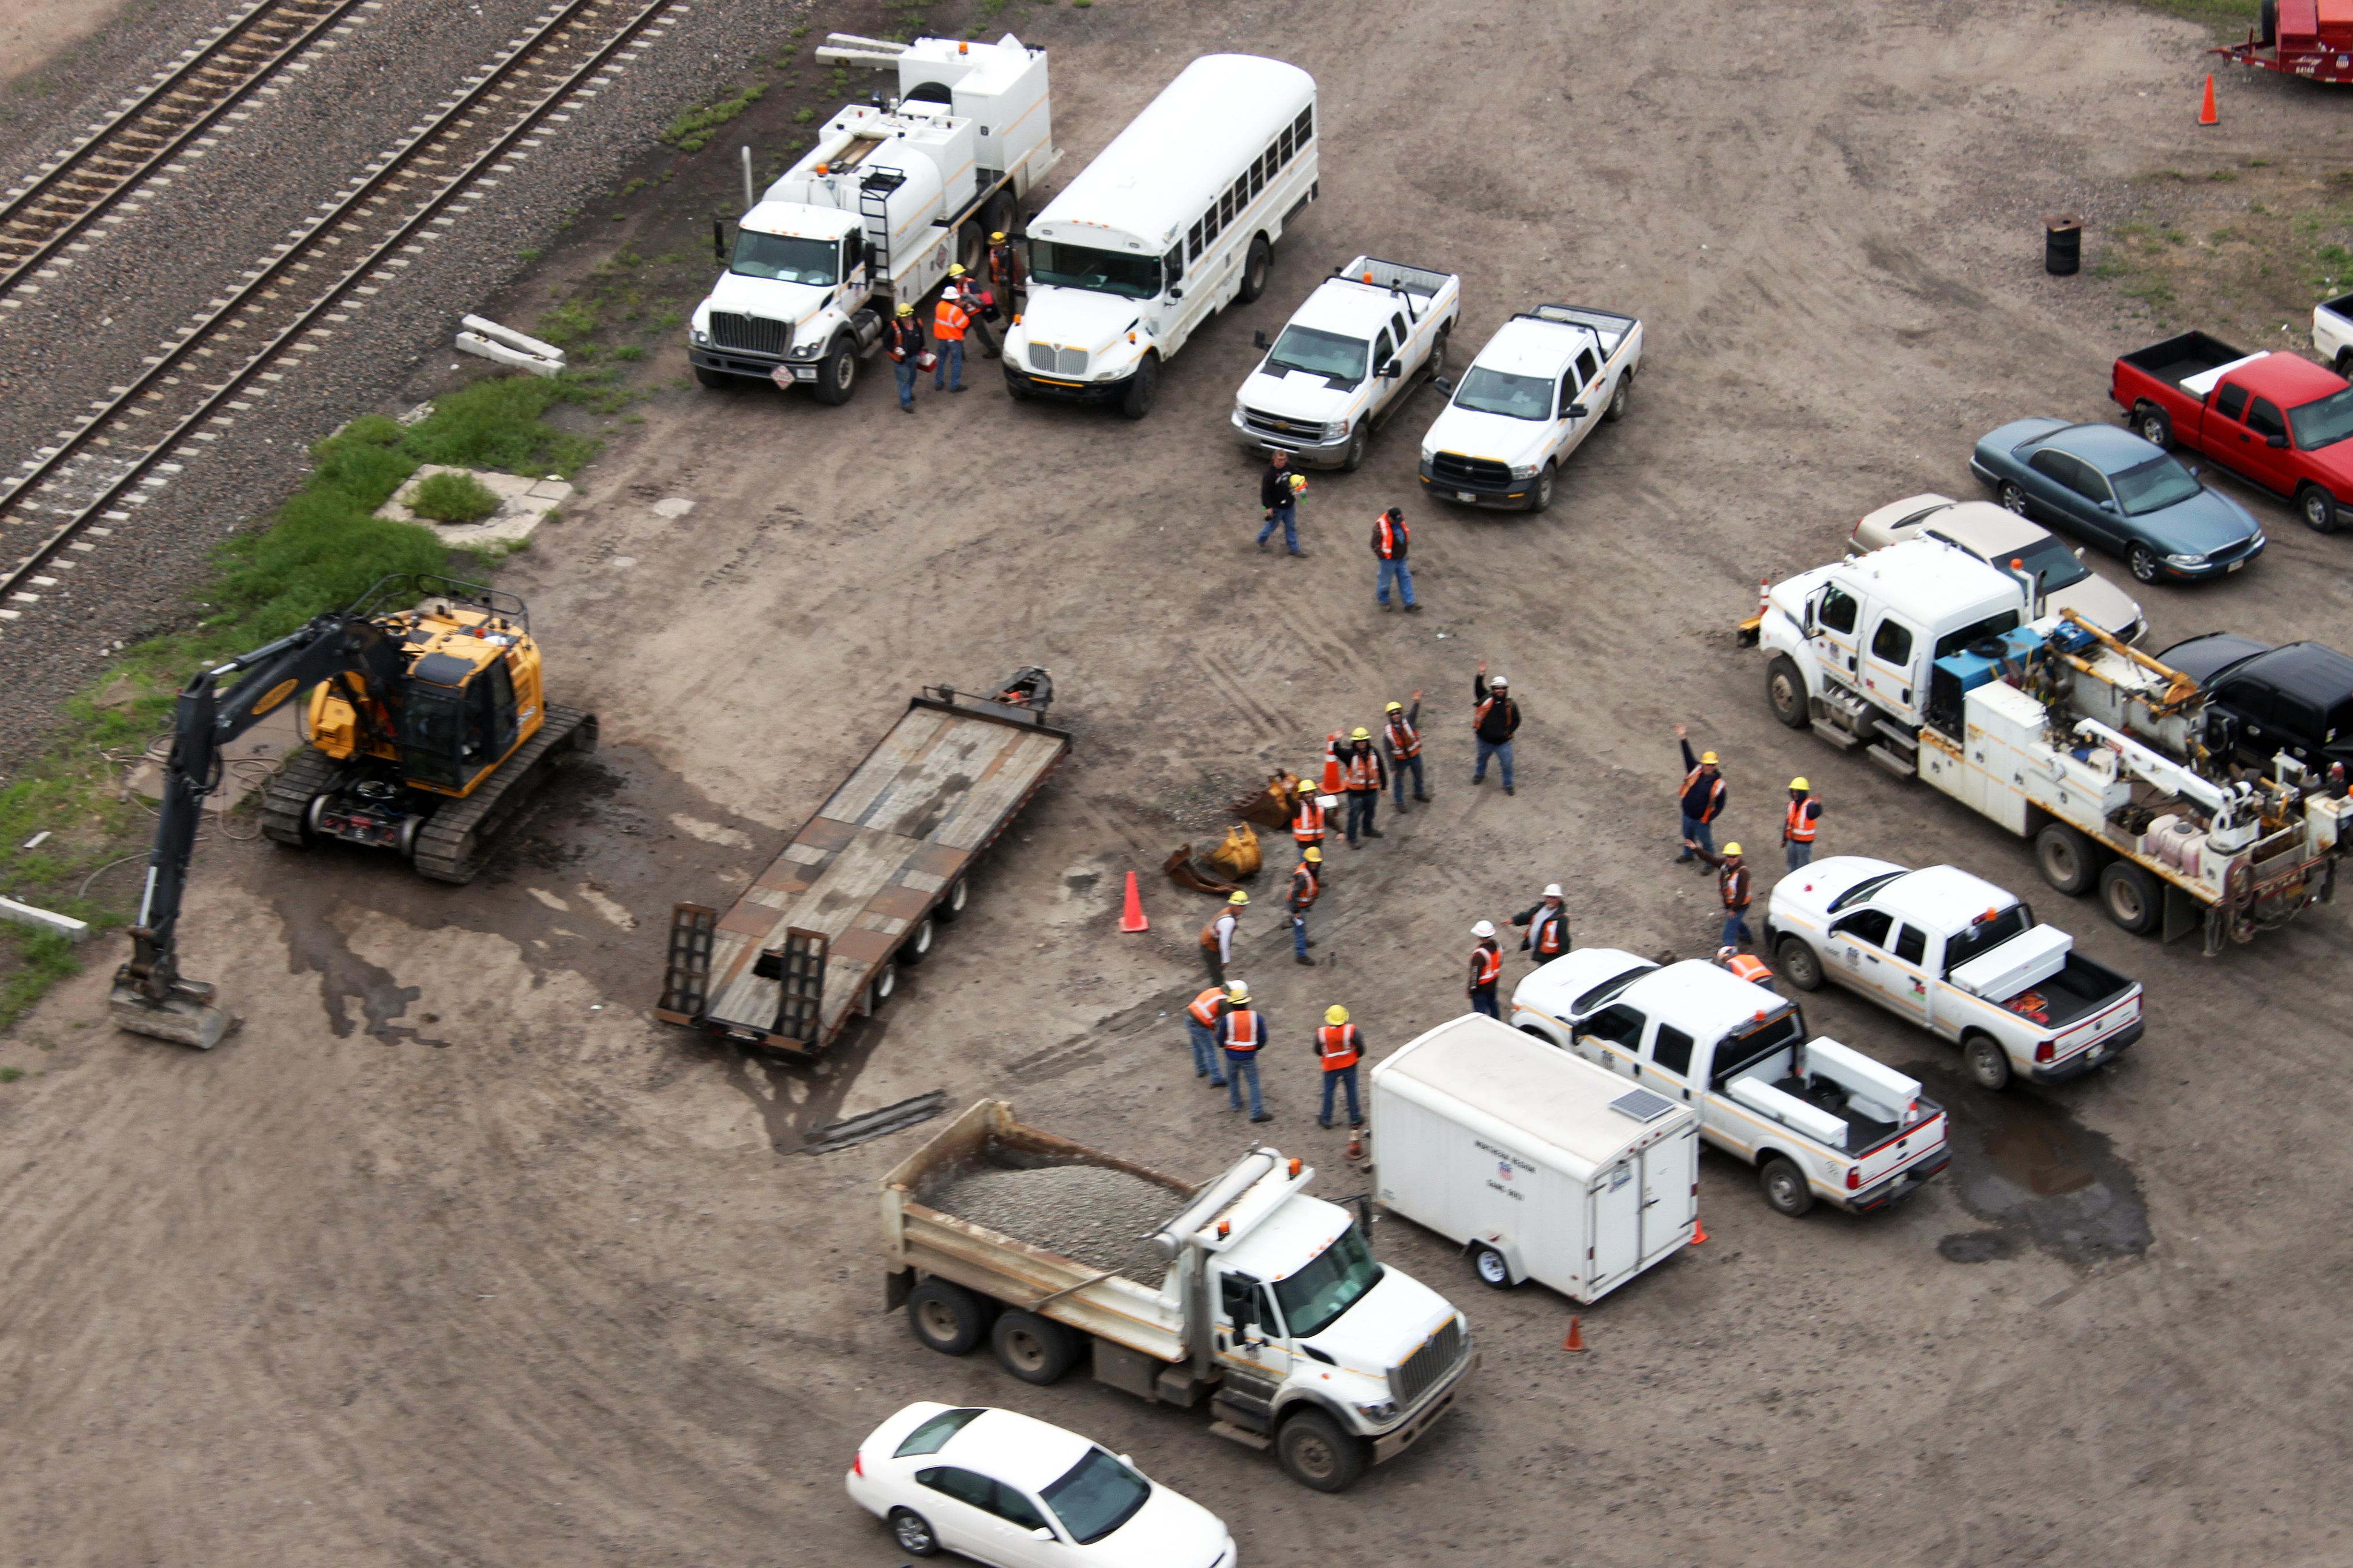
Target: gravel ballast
(1091,1214)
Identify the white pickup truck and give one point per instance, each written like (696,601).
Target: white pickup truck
(1818,1119)
(1346,361)
(1958,956)
(2332,333)
(1528,400)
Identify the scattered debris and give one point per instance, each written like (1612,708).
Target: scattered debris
(876,1123)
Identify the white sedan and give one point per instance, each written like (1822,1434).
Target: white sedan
(2003,539)
(1004,1489)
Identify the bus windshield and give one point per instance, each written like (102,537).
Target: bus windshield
(1103,272)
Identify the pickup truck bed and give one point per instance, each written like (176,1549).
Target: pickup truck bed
(2079,989)
(2183,360)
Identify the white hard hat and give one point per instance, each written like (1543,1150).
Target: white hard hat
(1484,928)
(1552,890)
(1500,680)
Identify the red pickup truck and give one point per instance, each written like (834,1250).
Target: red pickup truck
(2275,420)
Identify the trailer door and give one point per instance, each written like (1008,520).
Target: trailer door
(1669,1172)
(1617,1239)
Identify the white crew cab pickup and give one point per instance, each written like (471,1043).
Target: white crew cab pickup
(875,212)
(1346,361)
(1958,956)
(1818,1120)
(1527,402)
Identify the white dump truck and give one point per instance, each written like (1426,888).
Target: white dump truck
(1958,956)
(1937,664)
(1540,1166)
(1818,1119)
(875,212)
(1346,362)
(1527,401)
(1245,1290)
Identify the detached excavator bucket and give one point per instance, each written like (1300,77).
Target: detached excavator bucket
(186,1018)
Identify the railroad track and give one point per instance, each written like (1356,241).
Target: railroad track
(187,395)
(42,216)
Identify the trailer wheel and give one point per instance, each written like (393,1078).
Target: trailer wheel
(913,1533)
(2151,424)
(919,943)
(1785,1188)
(1033,1349)
(1541,496)
(1785,688)
(946,1316)
(836,375)
(2267,24)
(950,909)
(2130,896)
(883,987)
(1798,964)
(1256,265)
(1143,388)
(1988,1063)
(1315,1453)
(1492,1269)
(2066,858)
(2319,509)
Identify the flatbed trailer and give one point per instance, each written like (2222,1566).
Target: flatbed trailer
(817,938)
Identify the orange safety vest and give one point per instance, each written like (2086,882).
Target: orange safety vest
(1490,960)
(1204,1007)
(1314,888)
(1479,714)
(1750,968)
(1405,741)
(1307,826)
(1388,536)
(1802,827)
(1364,771)
(949,320)
(1331,763)
(1336,1044)
(1550,926)
(1714,795)
(1240,1031)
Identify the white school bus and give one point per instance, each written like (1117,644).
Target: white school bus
(1179,215)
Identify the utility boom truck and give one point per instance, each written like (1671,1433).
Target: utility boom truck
(1246,1291)
(875,212)
(1932,662)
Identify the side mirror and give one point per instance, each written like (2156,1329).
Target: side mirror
(1258,341)
(2079,552)
(1174,292)
(2108,506)
(1390,370)
(1574,411)
(2276,441)
(1810,617)
(1445,384)
(719,239)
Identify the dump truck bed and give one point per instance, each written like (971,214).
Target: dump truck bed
(794,960)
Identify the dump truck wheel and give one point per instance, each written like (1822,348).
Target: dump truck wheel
(946,1316)
(2130,896)
(1315,1453)
(1033,1349)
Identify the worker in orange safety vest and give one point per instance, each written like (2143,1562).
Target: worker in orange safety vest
(949,321)
(1241,1032)
(1548,923)
(1201,1016)
(1402,737)
(1800,822)
(1338,1048)
(1364,775)
(1307,819)
(1486,968)
(1306,886)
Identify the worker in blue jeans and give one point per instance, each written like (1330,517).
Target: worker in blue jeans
(1701,798)
(1277,491)
(905,340)
(1338,1047)
(1240,1033)
(1492,724)
(1732,884)
(1391,539)
(1201,1016)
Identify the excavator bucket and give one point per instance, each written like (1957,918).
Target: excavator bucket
(185,1017)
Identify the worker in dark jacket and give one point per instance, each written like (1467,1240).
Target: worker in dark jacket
(1277,491)
(905,340)
(1363,776)
(1307,887)
(1004,271)
(1703,796)
(1732,884)
(1548,923)
(1494,722)
(1402,740)
(1390,539)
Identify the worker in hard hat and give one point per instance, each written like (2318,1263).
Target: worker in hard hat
(1240,1033)
(1702,798)
(949,321)
(906,342)
(1402,738)
(1494,722)
(1732,884)
(979,307)
(1390,539)
(1746,965)
(1548,923)
(1486,968)
(1201,1016)
(1307,887)
(1218,936)
(1800,822)
(1338,1048)
(1004,270)
(1363,776)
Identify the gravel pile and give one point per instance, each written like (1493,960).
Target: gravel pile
(1088,1212)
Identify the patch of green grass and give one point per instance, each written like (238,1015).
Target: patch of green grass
(630,189)
(42,959)
(453,498)
(803,115)
(569,323)
(528,253)
(629,352)
(2231,16)
(693,131)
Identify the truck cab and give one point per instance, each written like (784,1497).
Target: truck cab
(1529,399)
(1346,361)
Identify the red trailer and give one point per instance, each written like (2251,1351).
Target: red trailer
(2311,39)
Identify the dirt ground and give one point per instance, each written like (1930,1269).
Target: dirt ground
(451,1256)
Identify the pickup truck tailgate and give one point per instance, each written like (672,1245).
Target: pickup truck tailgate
(1920,1145)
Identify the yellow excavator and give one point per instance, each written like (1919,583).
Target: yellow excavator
(428,727)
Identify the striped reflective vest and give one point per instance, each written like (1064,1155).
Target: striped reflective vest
(1389,539)
(1204,1007)
(1307,823)
(1548,934)
(949,320)
(1364,771)
(1486,964)
(1716,789)
(1336,1045)
(1240,1031)
(1805,820)
(1405,741)
(1305,887)
(1749,968)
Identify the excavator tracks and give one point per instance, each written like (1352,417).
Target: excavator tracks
(449,845)
(308,773)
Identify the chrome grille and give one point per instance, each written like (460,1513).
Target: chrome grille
(1461,470)
(1266,424)
(1051,361)
(1426,1368)
(752,334)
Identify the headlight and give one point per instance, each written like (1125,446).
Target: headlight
(1378,1410)
(2258,542)
(2184,561)
(807,349)
(1334,432)
(1525,471)
(697,336)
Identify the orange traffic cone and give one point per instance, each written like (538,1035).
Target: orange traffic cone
(1699,1231)
(1576,1340)
(1132,919)
(2206,115)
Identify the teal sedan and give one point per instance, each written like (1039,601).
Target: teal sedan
(2112,489)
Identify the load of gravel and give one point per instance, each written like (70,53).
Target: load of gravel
(1090,1214)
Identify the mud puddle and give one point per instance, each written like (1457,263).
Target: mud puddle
(2040,1176)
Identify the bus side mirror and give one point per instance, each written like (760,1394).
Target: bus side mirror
(719,239)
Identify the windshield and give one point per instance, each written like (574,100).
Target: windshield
(785,258)
(2156,484)
(1104,271)
(1862,889)
(1337,359)
(1486,391)
(1335,1280)
(2325,423)
(1096,1496)
(1607,989)
(2051,562)
(1984,935)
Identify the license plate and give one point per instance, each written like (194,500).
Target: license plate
(1465,495)
(2234,566)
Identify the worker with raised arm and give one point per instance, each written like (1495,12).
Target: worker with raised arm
(1218,936)
(1732,885)
(1486,969)
(1338,1048)
(1700,799)
(1201,1016)
(1390,537)
(1278,492)
(1494,722)
(1363,775)
(1241,1034)
(1402,737)
(1800,822)
(949,320)
(1307,887)
(1548,923)
(906,342)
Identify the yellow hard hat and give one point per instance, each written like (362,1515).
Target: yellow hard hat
(1730,850)
(1239,898)
(1800,783)
(997,237)
(1708,758)
(1314,855)
(1335,1014)
(955,269)
(1397,708)
(1361,733)
(1237,991)
(906,309)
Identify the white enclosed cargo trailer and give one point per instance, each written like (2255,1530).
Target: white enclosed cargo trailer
(1545,1167)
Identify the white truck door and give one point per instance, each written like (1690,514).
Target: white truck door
(1887,665)
(1836,639)
(1617,1225)
(1905,986)
(1613,1038)
(1385,348)
(1666,1063)
(1858,951)
(1668,1200)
